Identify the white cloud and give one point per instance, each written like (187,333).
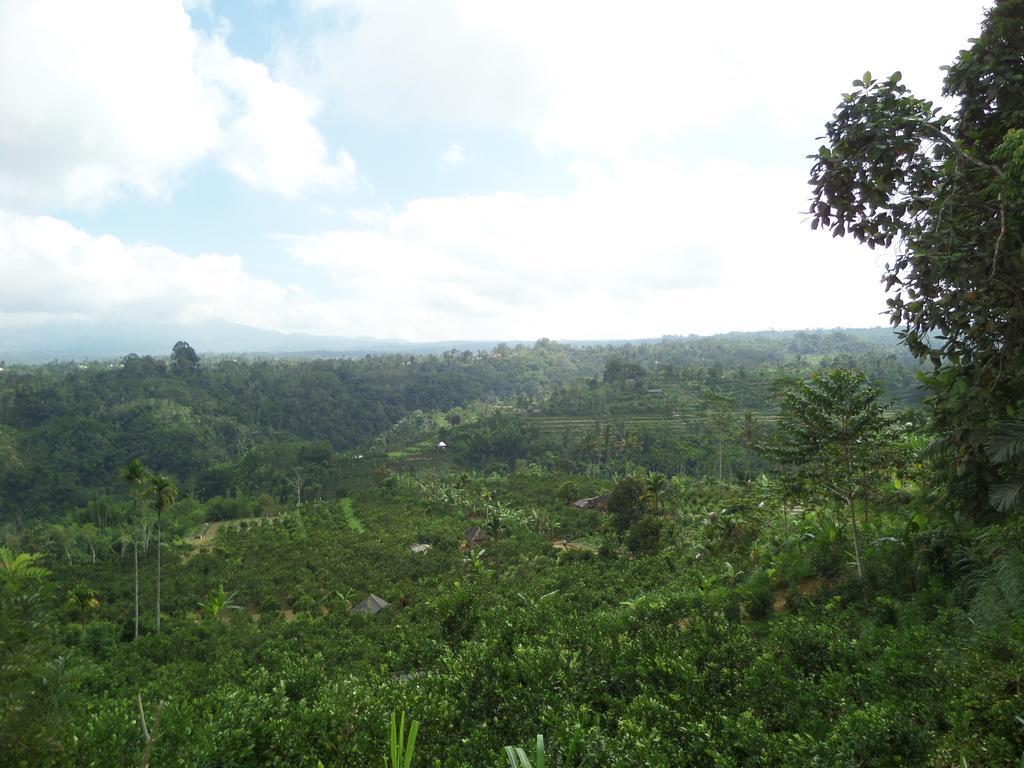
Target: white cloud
(453,155)
(54,271)
(119,97)
(270,142)
(660,233)
(645,253)
(606,77)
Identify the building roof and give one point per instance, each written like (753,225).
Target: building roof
(476,533)
(419,548)
(371,605)
(593,502)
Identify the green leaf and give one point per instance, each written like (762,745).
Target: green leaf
(411,744)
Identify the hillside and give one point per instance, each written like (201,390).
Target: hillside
(702,609)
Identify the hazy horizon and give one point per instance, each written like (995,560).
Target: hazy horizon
(82,343)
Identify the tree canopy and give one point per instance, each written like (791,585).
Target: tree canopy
(947,191)
(183,358)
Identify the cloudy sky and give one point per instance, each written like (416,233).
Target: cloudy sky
(439,169)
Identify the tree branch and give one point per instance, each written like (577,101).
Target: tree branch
(1001,238)
(149,736)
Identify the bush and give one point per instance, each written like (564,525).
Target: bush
(760,596)
(100,637)
(644,536)
(878,736)
(724,599)
(568,491)
(885,611)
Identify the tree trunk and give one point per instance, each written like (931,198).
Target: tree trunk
(850,497)
(135,546)
(856,541)
(149,736)
(159,530)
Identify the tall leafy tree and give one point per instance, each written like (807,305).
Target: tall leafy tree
(947,191)
(832,440)
(164,493)
(626,503)
(184,359)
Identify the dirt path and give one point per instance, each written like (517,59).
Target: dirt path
(202,539)
(559,543)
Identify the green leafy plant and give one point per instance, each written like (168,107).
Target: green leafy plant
(402,746)
(516,756)
(218,602)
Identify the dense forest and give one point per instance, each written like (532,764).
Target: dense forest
(772,549)
(664,558)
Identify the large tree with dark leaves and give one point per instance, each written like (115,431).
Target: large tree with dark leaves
(946,192)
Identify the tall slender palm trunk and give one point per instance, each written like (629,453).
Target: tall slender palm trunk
(159,529)
(135,543)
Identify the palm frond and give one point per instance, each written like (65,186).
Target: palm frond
(999,590)
(937,448)
(1006,442)
(1005,496)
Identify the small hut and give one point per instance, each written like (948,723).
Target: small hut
(371,606)
(419,549)
(476,537)
(594,502)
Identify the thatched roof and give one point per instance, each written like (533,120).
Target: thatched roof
(476,535)
(371,605)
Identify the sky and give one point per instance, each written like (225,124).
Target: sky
(439,169)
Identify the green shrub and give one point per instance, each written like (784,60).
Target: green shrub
(100,637)
(644,536)
(759,596)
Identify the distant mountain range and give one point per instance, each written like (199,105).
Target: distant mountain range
(106,341)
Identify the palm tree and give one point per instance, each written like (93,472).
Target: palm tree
(218,602)
(657,487)
(164,494)
(495,515)
(135,475)
(627,441)
(81,598)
